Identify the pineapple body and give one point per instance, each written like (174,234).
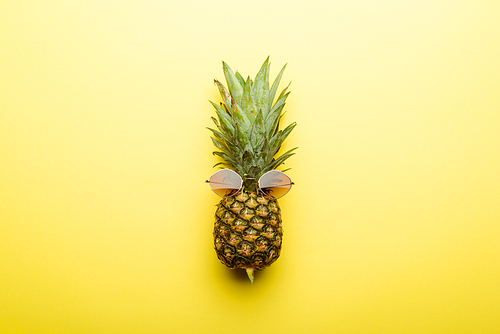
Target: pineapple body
(248,231)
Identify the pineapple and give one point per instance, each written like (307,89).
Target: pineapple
(248,228)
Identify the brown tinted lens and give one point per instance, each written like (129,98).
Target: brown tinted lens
(275,183)
(225,182)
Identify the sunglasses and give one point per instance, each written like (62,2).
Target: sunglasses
(227,183)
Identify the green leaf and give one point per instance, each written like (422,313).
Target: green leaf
(287,131)
(224,118)
(274,88)
(240,79)
(226,97)
(215,121)
(247,159)
(218,164)
(233,108)
(260,87)
(264,151)
(240,114)
(221,146)
(247,102)
(281,101)
(258,131)
(221,129)
(275,114)
(228,161)
(277,140)
(283,92)
(234,85)
(242,138)
(222,138)
(274,144)
(254,171)
(274,164)
(276,124)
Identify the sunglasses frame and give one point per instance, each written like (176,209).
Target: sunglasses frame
(251,178)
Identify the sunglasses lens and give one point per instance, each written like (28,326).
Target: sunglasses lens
(275,183)
(225,183)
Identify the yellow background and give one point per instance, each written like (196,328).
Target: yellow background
(106,222)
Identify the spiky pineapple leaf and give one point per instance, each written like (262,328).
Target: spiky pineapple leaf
(225,95)
(254,171)
(275,85)
(222,138)
(284,91)
(218,164)
(280,103)
(274,115)
(247,159)
(221,146)
(228,161)
(287,131)
(224,118)
(247,133)
(275,163)
(242,138)
(231,106)
(240,79)
(260,87)
(247,102)
(279,138)
(234,85)
(258,132)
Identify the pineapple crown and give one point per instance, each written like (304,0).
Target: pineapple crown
(248,136)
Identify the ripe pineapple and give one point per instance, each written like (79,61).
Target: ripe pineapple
(248,227)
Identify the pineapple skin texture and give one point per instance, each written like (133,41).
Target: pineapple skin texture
(248,231)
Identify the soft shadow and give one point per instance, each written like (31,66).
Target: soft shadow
(239,275)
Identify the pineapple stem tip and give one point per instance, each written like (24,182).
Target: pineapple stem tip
(250,274)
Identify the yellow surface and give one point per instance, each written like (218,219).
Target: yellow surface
(105,220)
